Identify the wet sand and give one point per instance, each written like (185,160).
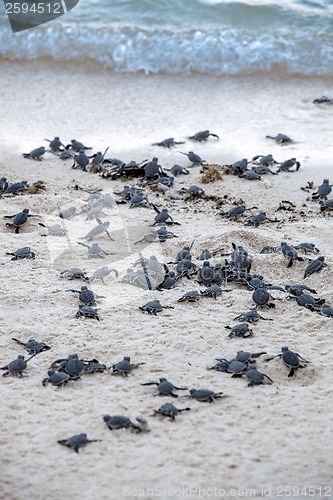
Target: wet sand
(271,436)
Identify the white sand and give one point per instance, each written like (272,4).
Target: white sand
(270,436)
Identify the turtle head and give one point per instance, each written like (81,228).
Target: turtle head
(285,348)
(127,358)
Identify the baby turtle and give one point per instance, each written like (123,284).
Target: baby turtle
(205,395)
(327,311)
(16,188)
(185,267)
(169,410)
(258,219)
(22,253)
(306,300)
(240,330)
(153,307)
(125,366)
(68,213)
(139,200)
(194,158)
(56,378)
(264,160)
(94,251)
(55,230)
(55,145)
(255,377)
(77,146)
(178,170)
(102,227)
(326,205)
(206,274)
(120,422)
(72,365)
(261,297)
(74,273)
(194,192)
(17,366)
(163,216)
(291,360)
(251,175)
(203,136)
(237,168)
(165,388)
(236,211)
(97,161)
(288,164)
(323,100)
(19,219)
(298,289)
(314,266)
(213,290)
(81,161)
(87,311)
(102,273)
(262,170)
(161,234)
(307,248)
(33,347)
(323,190)
(167,143)
(77,441)
(191,296)
(251,316)
(289,252)
(35,154)
(280,139)
(152,169)
(240,258)
(86,296)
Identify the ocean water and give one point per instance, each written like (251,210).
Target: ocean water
(220,37)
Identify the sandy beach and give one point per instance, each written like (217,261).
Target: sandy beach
(256,441)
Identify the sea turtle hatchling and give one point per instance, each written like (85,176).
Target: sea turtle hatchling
(194,158)
(163,216)
(165,388)
(291,360)
(77,441)
(94,366)
(22,253)
(251,175)
(306,300)
(258,219)
(251,316)
(290,252)
(280,139)
(323,190)
(205,395)
(56,378)
(307,248)
(240,330)
(288,164)
(35,154)
(261,296)
(94,251)
(178,170)
(19,219)
(16,187)
(325,205)
(101,228)
(327,311)
(194,192)
(124,367)
(77,146)
(67,213)
(297,290)
(264,160)
(236,212)
(214,291)
(255,377)
(161,234)
(86,296)
(206,274)
(323,100)
(87,311)
(314,266)
(102,273)
(191,296)
(169,410)
(81,161)
(153,307)
(17,366)
(55,230)
(120,422)
(139,200)
(32,346)
(72,365)
(74,273)
(167,143)
(55,145)
(203,136)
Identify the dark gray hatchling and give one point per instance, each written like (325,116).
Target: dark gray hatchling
(167,143)
(236,212)
(264,160)
(251,316)
(213,290)
(280,139)
(323,190)
(78,441)
(139,200)
(194,192)
(327,311)
(307,248)
(55,230)
(258,219)
(261,296)
(169,410)
(19,219)
(124,367)
(72,365)
(77,146)
(22,253)
(17,366)
(86,296)
(237,168)
(203,136)
(308,301)
(16,188)
(97,161)
(94,366)
(165,388)
(262,170)
(194,158)
(297,290)
(191,296)
(94,251)
(251,175)
(35,154)
(33,346)
(314,266)
(87,312)
(178,170)
(153,169)
(153,307)
(56,378)
(55,145)
(81,161)
(206,274)
(74,273)
(205,395)
(290,252)
(68,213)
(240,330)
(120,422)
(185,267)
(288,164)
(163,216)
(255,377)
(102,273)
(291,359)
(326,205)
